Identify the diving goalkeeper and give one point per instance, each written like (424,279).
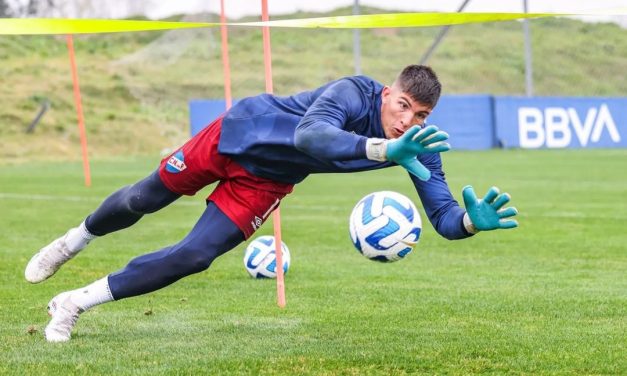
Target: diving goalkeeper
(257,151)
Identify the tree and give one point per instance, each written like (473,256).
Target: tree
(34,8)
(5,9)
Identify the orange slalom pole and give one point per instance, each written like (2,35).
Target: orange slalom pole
(225,57)
(79,110)
(276,215)
(267,54)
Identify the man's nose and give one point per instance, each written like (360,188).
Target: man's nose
(407,122)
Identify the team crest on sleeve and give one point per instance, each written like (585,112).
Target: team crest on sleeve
(176,163)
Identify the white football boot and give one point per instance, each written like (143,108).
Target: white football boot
(64,315)
(48,260)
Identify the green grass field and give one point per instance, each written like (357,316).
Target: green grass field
(547,298)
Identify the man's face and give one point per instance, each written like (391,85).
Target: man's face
(399,112)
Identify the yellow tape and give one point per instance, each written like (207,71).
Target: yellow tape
(38,26)
(34,26)
(397,20)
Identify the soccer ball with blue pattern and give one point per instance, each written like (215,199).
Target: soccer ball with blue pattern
(260,257)
(385,226)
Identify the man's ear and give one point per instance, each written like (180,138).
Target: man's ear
(385,94)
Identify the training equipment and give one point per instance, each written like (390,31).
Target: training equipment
(64,315)
(260,257)
(486,213)
(385,226)
(413,142)
(48,260)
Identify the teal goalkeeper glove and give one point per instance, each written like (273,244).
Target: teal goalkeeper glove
(405,149)
(486,214)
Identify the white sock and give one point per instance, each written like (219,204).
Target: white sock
(92,295)
(77,238)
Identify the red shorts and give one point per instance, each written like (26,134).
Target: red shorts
(246,199)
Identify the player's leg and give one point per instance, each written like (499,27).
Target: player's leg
(237,207)
(213,235)
(118,211)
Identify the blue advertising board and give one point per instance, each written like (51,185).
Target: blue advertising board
(551,122)
(203,111)
(468,119)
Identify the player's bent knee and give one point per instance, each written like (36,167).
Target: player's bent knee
(201,264)
(148,196)
(190,257)
(197,260)
(140,203)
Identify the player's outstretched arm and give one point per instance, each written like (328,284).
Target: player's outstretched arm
(487,213)
(405,149)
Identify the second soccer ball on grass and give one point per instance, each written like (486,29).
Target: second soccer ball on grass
(260,257)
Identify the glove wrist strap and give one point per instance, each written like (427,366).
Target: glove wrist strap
(468,225)
(376,149)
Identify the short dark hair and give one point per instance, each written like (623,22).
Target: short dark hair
(421,84)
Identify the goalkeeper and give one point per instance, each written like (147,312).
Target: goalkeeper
(257,151)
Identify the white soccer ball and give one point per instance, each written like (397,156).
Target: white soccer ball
(385,226)
(260,257)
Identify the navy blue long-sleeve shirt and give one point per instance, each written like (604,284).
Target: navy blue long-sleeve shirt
(323,131)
